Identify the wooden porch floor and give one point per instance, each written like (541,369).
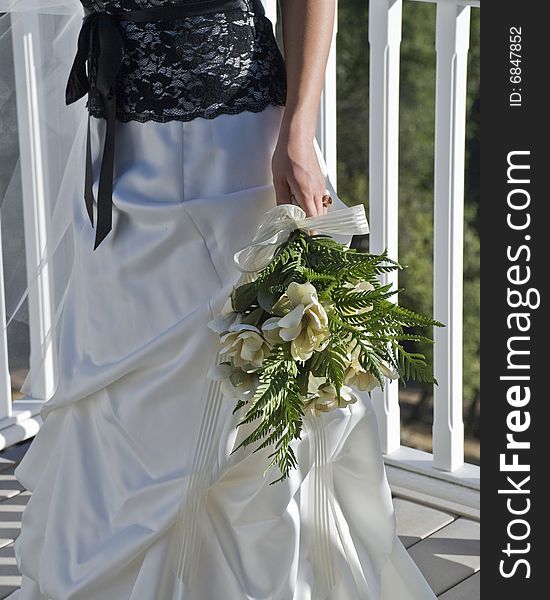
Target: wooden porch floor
(444,546)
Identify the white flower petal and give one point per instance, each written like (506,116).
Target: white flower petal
(388,372)
(314,382)
(271,323)
(227,308)
(289,334)
(218,372)
(244,327)
(364,286)
(300,352)
(300,293)
(293,318)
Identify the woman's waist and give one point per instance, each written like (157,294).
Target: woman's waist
(194,31)
(196,65)
(144,11)
(123,46)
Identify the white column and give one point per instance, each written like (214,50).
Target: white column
(384,40)
(326,118)
(270,7)
(26,48)
(5,379)
(452,41)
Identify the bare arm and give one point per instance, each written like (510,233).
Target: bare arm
(307,34)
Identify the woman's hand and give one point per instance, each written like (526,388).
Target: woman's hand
(296,172)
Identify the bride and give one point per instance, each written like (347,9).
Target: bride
(195,126)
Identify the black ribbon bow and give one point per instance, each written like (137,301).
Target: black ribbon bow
(100,40)
(101,45)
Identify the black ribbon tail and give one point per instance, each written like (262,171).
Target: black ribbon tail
(100,42)
(105,193)
(88,192)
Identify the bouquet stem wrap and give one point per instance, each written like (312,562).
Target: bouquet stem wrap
(186,540)
(274,230)
(321,498)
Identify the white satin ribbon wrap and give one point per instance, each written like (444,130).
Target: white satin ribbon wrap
(274,230)
(282,219)
(187,540)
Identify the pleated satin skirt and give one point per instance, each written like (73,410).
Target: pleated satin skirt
(113,459)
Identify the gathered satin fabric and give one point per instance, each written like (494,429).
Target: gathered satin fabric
(113,460)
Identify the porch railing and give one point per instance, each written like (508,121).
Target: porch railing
(446,464)
(385,21)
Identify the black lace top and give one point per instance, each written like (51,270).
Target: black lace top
(201,65)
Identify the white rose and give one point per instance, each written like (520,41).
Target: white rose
(356,375)
(226,318)
(244,391)
(305,325)
(245,345)
(326,399)
(361,286)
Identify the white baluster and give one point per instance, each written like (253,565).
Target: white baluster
(384,39)
(5,379)
(452,41)
(475,3)
(326,118)
(270,7)
(26,47)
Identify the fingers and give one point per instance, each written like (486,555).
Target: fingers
(305,200)
(312,205)
(298,179)
(309,195)
(283,194)
(323,209)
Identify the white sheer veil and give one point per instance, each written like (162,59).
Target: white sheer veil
(42,158)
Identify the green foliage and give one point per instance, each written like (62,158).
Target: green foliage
(366,319)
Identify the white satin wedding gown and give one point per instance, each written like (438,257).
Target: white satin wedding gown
(114,457)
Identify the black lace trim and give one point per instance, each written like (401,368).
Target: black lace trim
(198,66)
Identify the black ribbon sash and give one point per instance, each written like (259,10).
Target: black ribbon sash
(101,46)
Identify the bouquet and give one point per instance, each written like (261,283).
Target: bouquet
(313,324)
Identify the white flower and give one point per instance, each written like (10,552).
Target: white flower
(361,286)
(235,382)
(245,388)
(357,376)
(226,318)
(363,380)
(325,398)
(245,345)
(270,329)
(305,325)
(386,371)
